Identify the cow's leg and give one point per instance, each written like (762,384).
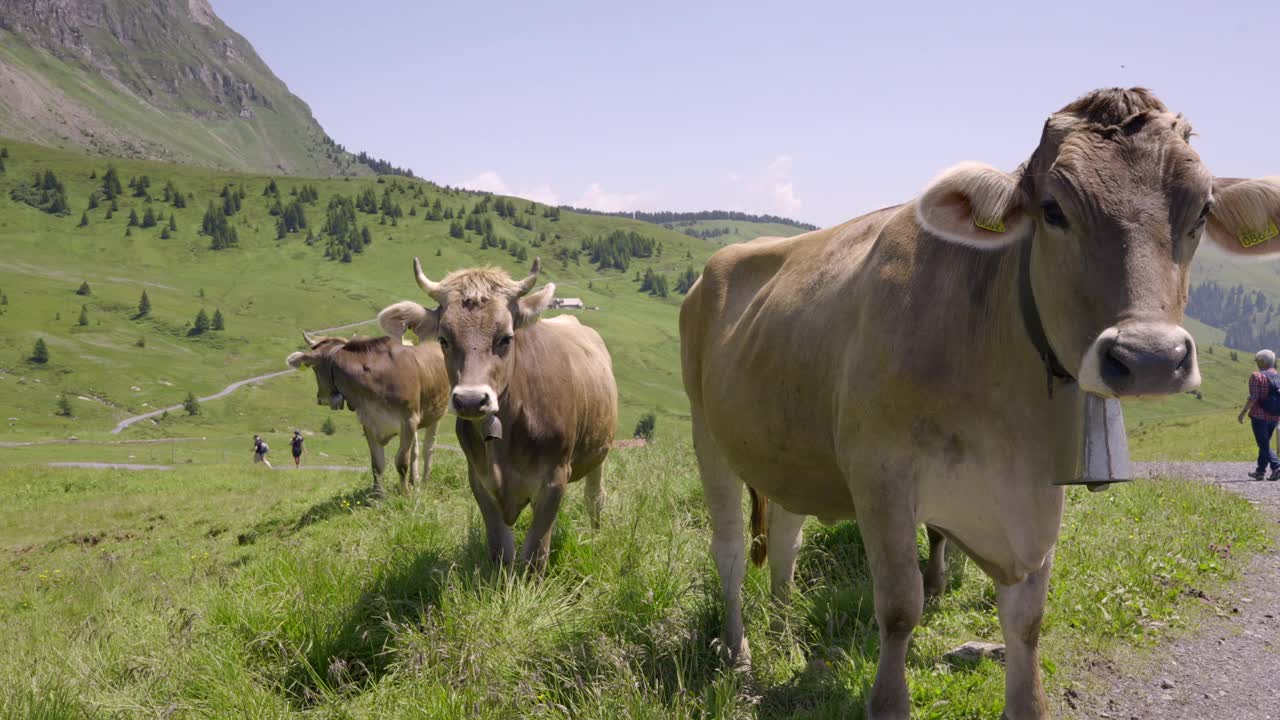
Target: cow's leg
(498,534)
(404,456)
(1021,608)
(594,494)
(888,527)
(537,542)
(377,459)
(722,491)
(784,543)
(428,449)
(935,572)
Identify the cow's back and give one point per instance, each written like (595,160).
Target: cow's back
(567,397)
(763,346)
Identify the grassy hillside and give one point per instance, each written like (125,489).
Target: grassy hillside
(268,290)
(223,591)
(159,80)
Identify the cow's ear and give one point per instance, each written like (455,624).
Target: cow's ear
(409,315)
(1245,216)
(531,306)
(975,205)
(300,359)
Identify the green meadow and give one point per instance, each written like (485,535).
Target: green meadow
(232,591)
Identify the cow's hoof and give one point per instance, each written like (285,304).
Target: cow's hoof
(739,658)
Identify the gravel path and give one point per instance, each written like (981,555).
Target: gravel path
(120,427)
(1229,669)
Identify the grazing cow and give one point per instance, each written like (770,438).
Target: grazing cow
(536,400)
(927,363)
(394,389)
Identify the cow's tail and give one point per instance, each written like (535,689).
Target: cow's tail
(759,527)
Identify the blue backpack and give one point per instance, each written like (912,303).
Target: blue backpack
(1271,403)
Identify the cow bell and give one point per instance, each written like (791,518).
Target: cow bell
(1105,447)
(491,428)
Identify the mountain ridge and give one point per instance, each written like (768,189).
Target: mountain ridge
(164,80)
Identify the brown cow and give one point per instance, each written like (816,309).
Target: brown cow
(927,363)
(394,389)
(536,400)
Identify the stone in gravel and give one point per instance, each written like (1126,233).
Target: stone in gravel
(1167,684)
(973,651)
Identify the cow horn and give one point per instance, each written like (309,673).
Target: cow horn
(527,284)
(310,342)
(430,288)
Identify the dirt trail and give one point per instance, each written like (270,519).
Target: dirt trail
(174,408)
(1229,669)
(123,424)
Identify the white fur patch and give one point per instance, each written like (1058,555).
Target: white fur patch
(1091,365)
(295,360)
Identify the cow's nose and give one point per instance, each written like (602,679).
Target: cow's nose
(1147,359)
(473,401)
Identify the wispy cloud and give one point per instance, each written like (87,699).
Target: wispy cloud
(771,189)
(594,197)
(491,181)
(597,198)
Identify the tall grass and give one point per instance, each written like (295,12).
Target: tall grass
(251,594)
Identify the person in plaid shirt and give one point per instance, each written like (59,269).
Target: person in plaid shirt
(1264,423)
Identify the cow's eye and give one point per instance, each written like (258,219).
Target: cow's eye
(1204,217)
(1053,214)
(444,343)
(505,340)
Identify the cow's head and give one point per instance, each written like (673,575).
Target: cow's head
(1114,202)
(320,359)
(481,312)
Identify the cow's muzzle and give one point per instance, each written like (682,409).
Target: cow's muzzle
(1140,358)
(474,402)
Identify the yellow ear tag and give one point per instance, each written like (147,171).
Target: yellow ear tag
(1249,239)
(995,225)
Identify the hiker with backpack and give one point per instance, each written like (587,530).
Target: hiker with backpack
(1263,409)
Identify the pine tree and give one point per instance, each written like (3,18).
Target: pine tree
(40,353)
(149,219)
(111,185)
(201,325)
(164,233)
(173,224)
(133,218)
(93,201)
(84,316)
(84,289)
(84,220)
(327,428)
(218,323)
(144,305)
(191,404)
(64,406)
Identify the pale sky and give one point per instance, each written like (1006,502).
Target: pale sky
(817,111)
